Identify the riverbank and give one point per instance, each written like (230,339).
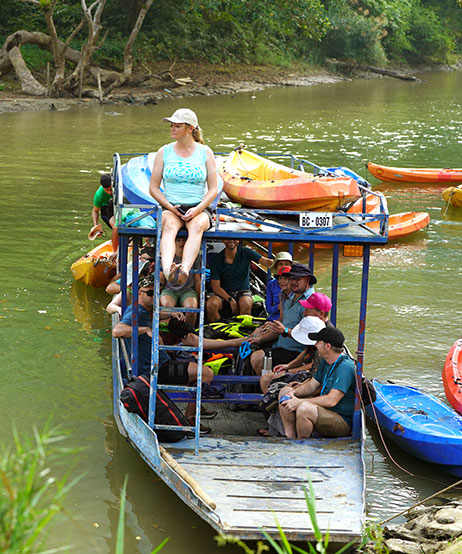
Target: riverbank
(199,80)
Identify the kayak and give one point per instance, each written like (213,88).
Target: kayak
(375,202)
(420,424)
(452,376)
(415,175)
(453,196)
(403,224)
(95,268)
(257,182)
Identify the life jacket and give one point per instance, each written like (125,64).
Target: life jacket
(219,362)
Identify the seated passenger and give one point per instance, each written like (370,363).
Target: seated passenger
(185,295)
(324,403)
(273,290)
(230,280)
(170,371)
(285,348)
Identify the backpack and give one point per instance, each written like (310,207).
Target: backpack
(135,398)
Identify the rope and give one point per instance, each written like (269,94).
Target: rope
(451,194)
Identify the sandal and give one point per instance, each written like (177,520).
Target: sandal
(207,414)
(263,432)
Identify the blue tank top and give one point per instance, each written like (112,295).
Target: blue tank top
(184,178)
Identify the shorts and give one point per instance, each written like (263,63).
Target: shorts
(283,356)
(173,372)
(107,212)
(207,211)
(179,296)
(331,424)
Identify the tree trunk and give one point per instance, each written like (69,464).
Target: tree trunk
(29,84)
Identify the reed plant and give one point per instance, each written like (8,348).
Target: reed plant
(31,497)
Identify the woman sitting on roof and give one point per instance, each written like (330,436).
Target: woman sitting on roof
(188,172)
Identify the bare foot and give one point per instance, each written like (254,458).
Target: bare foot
(170,275)
(182,275)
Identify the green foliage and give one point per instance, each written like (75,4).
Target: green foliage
(30,497)
(35,57)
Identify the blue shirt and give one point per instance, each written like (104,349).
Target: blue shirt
(144,340)
(340,376)
(184,178)
(292,314)
(273,291)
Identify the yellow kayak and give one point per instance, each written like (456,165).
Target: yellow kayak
(453,196)
(95,268)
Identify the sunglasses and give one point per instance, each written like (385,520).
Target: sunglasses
(149,292)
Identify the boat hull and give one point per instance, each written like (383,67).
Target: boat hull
(95,268)
(256,182)
(453,196)
(403,224)
(452,376)
(415,175)
(419,424)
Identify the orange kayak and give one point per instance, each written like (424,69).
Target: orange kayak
(257,182)
(453,196)
(403,224)
(416,175)
(95,268)
(373,202)
(452,376)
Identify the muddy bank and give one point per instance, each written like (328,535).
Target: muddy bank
(205,81)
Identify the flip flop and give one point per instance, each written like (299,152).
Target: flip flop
(263,432)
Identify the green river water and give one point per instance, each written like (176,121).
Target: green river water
(56,348)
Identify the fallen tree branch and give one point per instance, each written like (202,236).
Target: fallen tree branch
(362,67)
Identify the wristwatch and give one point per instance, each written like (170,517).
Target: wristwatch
(229,298)
(286,332)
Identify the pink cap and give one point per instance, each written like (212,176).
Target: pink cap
(318,301)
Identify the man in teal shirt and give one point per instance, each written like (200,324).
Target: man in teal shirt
(324,403)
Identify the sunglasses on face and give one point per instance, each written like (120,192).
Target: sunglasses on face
(149,292)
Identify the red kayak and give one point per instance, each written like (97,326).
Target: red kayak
(452,376)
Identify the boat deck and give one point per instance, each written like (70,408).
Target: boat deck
(258,481)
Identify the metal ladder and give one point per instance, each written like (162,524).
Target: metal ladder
(157,347)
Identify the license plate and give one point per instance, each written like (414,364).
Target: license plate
(315,220)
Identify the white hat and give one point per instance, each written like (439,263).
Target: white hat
(183,115)
(286,256)
(309,324)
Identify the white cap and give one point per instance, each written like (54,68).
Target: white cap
(183,115)
(309,324)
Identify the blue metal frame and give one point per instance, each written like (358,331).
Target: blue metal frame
(347,229)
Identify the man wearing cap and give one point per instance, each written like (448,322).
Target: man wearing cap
(230,279)
(324,403)
(169,372)
(285,349)
(273,290)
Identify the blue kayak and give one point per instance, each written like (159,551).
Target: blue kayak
(136,174)
(420,424)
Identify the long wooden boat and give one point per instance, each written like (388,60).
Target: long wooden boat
(453,196)
(452,376)
(237,481)
(420,424)
(415,175)
(95,268)
(258,182)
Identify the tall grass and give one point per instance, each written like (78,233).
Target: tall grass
(30,496)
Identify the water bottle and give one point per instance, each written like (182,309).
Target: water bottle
(267,363)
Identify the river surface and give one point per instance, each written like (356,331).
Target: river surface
(56,347)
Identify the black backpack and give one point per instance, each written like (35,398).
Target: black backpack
(135,398)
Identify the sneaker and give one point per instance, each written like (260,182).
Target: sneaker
(203,429)
(207,414)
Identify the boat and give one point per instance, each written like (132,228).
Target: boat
(234,479)
(420,424)
(95,268)
(403,224)
(415,175)
(257,182)
(453,196)
(452,376)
